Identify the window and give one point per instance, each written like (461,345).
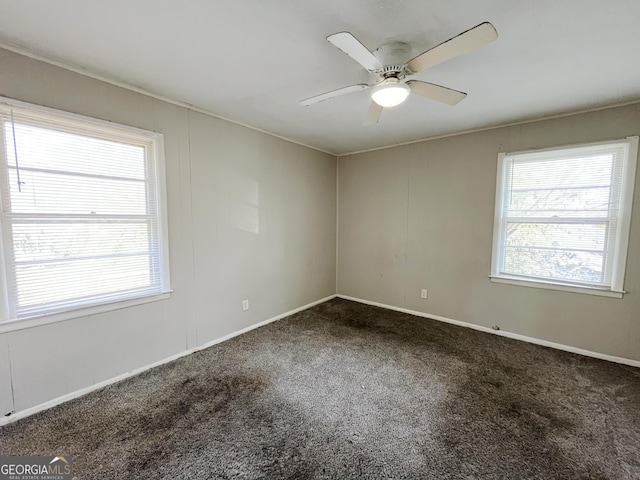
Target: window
(562,217)
(83,212)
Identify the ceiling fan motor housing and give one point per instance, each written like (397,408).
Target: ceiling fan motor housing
(393,56)
(393,53)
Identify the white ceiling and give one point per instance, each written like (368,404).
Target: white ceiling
(252,60)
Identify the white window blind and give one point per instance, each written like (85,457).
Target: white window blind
(82,221)
(562,216)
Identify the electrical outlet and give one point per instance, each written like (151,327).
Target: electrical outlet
(423,293)
(245,305)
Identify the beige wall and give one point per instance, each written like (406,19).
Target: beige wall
(219,176)
(421,216)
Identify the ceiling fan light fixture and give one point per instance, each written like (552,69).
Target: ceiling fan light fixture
(391,93)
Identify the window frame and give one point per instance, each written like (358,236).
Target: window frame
(156,161)
(620,250)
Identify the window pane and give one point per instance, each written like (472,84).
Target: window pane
(563,187)
(77,280)
(47,148)
(554,264)
(585,171)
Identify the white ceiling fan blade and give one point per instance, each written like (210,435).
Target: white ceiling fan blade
(333,93)
(466,42)
(373,115)
(356,50)
(436,92)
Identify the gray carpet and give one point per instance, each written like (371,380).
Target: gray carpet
(345,390)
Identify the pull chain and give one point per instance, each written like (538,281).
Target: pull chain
(15,152)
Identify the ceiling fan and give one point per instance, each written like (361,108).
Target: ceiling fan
(389,69)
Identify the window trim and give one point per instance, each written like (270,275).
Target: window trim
(10,324)
(622,237)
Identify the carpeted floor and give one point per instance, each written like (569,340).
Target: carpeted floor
(345,390)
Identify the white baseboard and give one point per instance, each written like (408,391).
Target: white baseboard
(83,391)
(502,333)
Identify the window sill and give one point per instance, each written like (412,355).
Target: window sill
(556,286)
(30,322)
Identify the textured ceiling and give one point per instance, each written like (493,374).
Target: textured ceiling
(252,60)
